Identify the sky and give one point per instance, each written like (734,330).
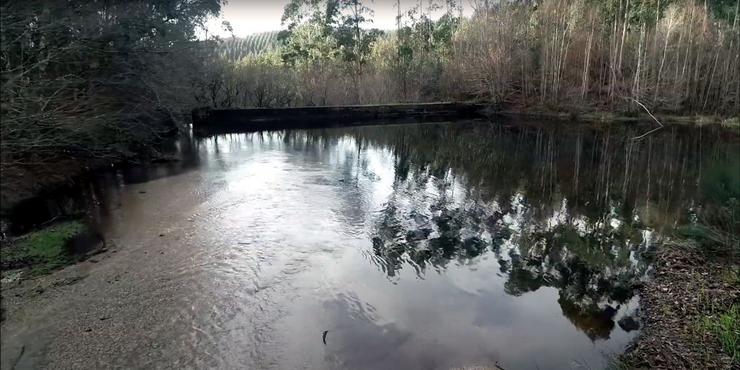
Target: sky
(253,16)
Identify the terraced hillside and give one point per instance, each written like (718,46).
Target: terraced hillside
(234,49)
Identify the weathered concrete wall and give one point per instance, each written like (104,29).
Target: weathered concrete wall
(220,120)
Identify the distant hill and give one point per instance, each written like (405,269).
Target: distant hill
(234,49)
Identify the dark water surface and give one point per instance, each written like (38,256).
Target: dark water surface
(430,246)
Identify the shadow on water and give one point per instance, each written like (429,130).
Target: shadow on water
(86,195)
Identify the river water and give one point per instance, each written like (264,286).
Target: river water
(430,246)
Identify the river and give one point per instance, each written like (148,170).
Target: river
(429,246)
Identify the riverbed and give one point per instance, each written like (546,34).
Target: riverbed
(429,246)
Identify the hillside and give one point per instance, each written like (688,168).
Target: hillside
(234,49)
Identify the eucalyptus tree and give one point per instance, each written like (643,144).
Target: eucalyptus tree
(338,22)
(424,45)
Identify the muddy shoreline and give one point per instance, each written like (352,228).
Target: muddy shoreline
(685,287)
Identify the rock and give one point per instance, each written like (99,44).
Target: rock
(628,323)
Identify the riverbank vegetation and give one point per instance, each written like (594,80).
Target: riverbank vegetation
(85,84)
(673,56)
(44,250)
(726,326)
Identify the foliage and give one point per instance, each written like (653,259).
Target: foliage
(309,44)
(340,21)
(636,12)
(261,80)
(725,10)
(42,250)
(674,56)
(671,55)
(726,327)
(94,81)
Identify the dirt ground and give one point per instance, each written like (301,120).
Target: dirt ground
(685,288)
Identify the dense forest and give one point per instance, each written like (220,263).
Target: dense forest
(85,83)
(88,83)
(675,56)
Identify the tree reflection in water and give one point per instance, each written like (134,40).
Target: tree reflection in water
(573,209)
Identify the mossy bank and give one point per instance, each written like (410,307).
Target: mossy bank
(44,250)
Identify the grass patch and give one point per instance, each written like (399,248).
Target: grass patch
(43,250)
(615,363)
(731,276)
(726,326)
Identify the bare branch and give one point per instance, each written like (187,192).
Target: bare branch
(660,125)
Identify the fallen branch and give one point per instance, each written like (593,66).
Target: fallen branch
(660,125)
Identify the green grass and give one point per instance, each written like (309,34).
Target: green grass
(615,363)
(732,275)
(726,326)
(43,250)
